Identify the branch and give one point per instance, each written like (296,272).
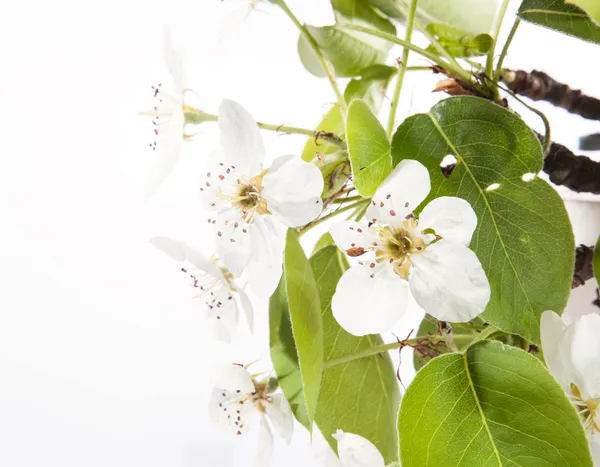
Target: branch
(578,173)
(583,270)
(538,86)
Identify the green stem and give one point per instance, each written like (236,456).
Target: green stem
(346,200)
(313,43)
(197,116)
(402,69)
(456,71)
(332,214)
(439,47)
(489,66)
(509,39)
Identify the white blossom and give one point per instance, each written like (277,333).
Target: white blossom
(238,400)
(356,451)
(217,291)
(253,204)
(572,354)
(428,255)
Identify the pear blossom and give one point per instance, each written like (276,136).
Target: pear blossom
(572,354)
(218,293)
(238,399)
(356,451)
(254,204)
(428,255)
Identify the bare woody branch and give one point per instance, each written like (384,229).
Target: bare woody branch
(578,173)
(538,86)
(583,265)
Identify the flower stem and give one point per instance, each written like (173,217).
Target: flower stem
(401,69)
(509,39)
(313,43)
(456,71)
(489,65)
(358,204)
(346,200)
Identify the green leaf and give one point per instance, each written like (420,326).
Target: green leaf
(305,314)
(474,16)
(591,7)
(494,405)
(368,147)
(349,52)
(555,14)
(325,240)
(460,43)
(596,262)
(331,123)
(361,396)
(284,355)
(523,238)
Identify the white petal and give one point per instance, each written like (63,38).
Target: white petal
(595,445)
(552,330)
(169,246)
(280,416)
(246,305)
(292,189)
(265,445)
(583,335)
(240,138)
(169,140)
(218,182)
(449,282)
(451,218)
(235,379)
(266,264)
(400,194)
(230,411)
(221,312)
(198,260)
(349,235)
(356,451)
(233,239)
(174,60)
(369,305)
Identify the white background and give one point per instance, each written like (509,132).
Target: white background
(103,357)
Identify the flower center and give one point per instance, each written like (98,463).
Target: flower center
(587,410)
(248,198)
(397,244)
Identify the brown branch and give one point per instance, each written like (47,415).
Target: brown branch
(578,173)
(583,270)
(538,86)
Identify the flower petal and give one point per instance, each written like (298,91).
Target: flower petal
(354,237)
(171,247)
(174,61)
(233,239)
(356,451)
(266,264)
(240,138)
(292,189)
(369,300)
(280,416)
(449,283)
(221,312)
(595,446)
(246,305)
(400,194)
(236,379)
(451,218)
(552,330)
(584,349)
(265,445)
(229,410)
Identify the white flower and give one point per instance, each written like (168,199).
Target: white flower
(428,255)
(254,204)
(356,451)
(572,354)
(237,399)
(217,291)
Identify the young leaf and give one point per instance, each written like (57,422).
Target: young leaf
(368,147)
(474,16)
(557,15)
(523,239)
(361,396)
(460,43)
(305,314)
(349,52)
(591,7)
(493,405)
